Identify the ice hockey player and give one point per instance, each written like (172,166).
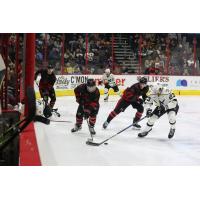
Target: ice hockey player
(109,82)
(46,89)
(131,96)
(87,96)
(165,102)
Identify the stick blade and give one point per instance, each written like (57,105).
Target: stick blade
(91,143)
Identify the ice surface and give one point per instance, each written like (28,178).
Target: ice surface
(58,146)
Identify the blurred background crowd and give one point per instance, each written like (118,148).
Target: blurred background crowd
(172,54)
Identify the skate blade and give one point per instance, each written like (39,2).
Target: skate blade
(91,143)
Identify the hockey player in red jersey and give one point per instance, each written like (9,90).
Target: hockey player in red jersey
(131,97)
(46,89)
(87,96)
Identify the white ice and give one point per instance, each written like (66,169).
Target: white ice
(58,146)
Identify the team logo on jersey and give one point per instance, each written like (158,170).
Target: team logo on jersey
(181,83)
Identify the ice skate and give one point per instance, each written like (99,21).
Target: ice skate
(76,128)
(136,125)
(105,124)
(144,133)
(171,133)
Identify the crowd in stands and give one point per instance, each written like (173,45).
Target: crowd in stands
(13,78)
(156,49)
(99,52)
(160,53)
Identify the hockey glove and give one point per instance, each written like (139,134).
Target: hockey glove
(161,109)
(149,113)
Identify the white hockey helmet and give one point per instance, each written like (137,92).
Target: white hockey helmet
(107,71)
(156,89)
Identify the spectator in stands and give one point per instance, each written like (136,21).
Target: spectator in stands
(152,70)
(77,70)
(185,72)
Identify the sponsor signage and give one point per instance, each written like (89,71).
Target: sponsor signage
(69,82)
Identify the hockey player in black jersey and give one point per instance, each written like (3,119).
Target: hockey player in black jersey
(46,89)
(87,96)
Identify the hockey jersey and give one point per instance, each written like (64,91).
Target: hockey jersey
(110,80)
(47,80)
(85,97)
(165,98)
(132,94)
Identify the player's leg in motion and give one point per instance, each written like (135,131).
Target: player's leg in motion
(157,113)
(52,96)
(116,90)
(120,107)
(79,119)
(172,120)
(92,119)
(45,95)
(138,114)
(106,90)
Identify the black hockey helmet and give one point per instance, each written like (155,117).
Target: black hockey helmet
(50,67)
(143,80)
(91,85)
(91,82)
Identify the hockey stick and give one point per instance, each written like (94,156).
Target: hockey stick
(100,143)
(60,121)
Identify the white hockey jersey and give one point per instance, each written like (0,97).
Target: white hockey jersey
(110,79)
(165,98)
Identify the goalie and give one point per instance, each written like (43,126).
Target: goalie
(109,82)
(165,102)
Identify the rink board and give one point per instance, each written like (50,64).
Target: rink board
(181,85)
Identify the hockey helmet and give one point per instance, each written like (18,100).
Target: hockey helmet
(91,85)
(49,67)
(107,71)
(157,89)
(143,80)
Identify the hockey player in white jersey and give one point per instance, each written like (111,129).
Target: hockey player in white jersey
(165,102)
(109,81)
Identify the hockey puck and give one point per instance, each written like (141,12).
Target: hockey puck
(106,143)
